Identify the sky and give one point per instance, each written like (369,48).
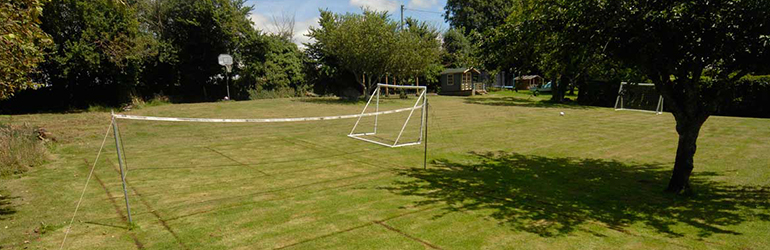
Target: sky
(306,12)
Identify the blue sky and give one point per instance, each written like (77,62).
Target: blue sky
(306,11)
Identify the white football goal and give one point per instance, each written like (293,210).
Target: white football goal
(369,136)
(639,97)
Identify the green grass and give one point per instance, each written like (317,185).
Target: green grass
(505,171)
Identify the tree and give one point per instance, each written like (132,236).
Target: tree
(271,63)
(673,43)
(543,36)
(98,52)
(359,43)
(22,43)
(478,15)
(369,45)
(457,49)
(417,50)
(191,35)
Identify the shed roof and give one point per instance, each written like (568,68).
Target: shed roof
(528,77)
(459,70)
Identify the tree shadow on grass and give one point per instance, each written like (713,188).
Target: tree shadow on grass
(342,101)
(556,196)
(6,210)
(522,102)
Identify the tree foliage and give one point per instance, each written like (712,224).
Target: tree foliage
(272,63)
(369,46)
(98,49)
(191,35)
(22,45)
(458,49)
(477,15)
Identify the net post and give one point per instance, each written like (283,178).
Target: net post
(617,99)
(660,105)
(116,134)
(422,120)
(377,109)
(425,155)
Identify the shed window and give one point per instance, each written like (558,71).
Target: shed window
(450,80)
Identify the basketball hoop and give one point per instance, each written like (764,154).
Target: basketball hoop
(227,61)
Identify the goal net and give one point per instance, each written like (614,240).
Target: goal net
(388,133)
(639,97)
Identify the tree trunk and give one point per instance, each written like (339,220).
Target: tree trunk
(558,88)
(360,80)
(688,130)
(387,90)
(369,85)
(417,83)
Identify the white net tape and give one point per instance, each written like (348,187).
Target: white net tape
(265,120)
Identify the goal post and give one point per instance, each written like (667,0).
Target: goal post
(639,97)
(419,104)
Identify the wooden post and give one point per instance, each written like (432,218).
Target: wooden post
(387,90)
(417,82)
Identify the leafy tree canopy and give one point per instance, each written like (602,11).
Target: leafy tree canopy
(22,45)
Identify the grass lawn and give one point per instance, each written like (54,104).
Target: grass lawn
(505,171)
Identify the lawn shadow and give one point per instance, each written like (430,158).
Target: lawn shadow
(522,102)
(343,101)
(329,100)
(556,196)
(6,210)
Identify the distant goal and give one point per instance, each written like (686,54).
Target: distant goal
(639,97)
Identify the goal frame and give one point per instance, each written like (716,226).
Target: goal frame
(619,99)
(420,103)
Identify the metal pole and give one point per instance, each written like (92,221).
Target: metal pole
(402,18)
(120,164)
(377,109)
(425,156)
(228,85)
(617,99)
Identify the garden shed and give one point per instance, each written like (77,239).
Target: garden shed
(460,81)
(528,82)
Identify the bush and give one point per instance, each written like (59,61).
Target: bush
(20,149)
(598,93)
(259,93)
(749,97)
(157,100)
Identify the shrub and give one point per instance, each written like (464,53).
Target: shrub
(20,149)
(138,102)
(259,93)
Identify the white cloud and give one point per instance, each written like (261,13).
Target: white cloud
(378,5)
(425,4)
(301,27)
(261,22)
